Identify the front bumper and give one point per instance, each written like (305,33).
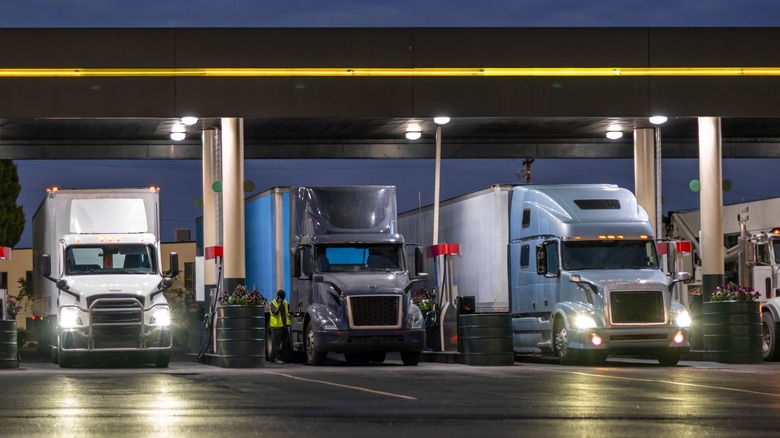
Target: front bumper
(117,339)
(356,341)
(640,340)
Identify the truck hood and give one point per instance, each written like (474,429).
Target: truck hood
(603,277)
(88,285)
(370,282)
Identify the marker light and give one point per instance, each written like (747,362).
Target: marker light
(775,230)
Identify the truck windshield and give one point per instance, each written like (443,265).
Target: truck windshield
(358,258)
(110,259)
(612,254)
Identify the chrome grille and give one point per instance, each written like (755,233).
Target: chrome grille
(375,311)
(637,307)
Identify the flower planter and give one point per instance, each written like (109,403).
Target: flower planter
(732,331)
(240,336)
(486,339)
(9,357)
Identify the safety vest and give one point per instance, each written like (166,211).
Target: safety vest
(284,315)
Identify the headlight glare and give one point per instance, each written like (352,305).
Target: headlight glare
(161,317)
(69,317)
(683,318)
(582,321)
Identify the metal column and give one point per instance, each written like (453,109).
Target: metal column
(644,171)
(233,202)
(711,199)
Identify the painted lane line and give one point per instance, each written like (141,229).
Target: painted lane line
(695,385)
(356,388)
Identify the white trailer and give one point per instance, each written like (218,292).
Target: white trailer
(575,265)
(98,280)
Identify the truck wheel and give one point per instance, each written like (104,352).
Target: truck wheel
(669,358)
(313,357)
(410,357)
(770,335)
(379,357)
(565,354)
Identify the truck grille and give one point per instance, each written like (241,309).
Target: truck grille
(116,322)
(375,311)
(637,307)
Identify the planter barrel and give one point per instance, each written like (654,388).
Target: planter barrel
(240,336)
(732,331)
(9,357)
(486,339)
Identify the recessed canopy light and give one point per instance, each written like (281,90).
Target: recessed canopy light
(189,120)
(441,120)
(178,136)
(658,120)
(413,135)
(614,135)
(178,127)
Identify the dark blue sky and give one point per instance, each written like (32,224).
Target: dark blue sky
(180,180)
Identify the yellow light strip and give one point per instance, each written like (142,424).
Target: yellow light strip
(388,72)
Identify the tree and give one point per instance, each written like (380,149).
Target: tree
(11,215)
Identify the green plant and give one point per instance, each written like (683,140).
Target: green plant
(242,297)
(12,308)
(423,299)
(733,292)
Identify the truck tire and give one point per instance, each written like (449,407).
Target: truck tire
(410,358)
(669,358)
(770,335)
(313,357)
(566,355)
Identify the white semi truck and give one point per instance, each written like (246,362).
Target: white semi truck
(751,238)
(98,280)
(575,265)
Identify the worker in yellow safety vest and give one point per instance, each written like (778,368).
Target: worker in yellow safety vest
(279,322)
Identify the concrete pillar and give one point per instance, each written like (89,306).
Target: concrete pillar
(711,208)
(209,207)
(233,202)
(644,171)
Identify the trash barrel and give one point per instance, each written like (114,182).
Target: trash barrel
(9,357)
(732,331)
(240,337)
(486,339)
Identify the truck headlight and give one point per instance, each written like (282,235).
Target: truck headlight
(416,320)
(69,317)
(582,321)
(683,318)
(161,317)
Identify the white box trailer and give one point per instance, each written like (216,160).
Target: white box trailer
(575,265)
(98,280)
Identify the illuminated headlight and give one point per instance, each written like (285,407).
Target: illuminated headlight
(584,322)
(161,317)
(69,317)
(683,318)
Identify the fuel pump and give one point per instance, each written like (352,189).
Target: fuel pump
(447,318)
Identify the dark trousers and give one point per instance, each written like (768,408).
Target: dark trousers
(280,337)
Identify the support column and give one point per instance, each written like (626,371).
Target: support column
(711,205)
(233,202)
(209,208)
(644,171)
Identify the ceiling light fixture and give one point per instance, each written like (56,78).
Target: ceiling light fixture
(178,136)
(658,120)
(441,120)
(189,120)
(614,135)
(413,135)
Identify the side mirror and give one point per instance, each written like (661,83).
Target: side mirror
(419,263)
(46,265)
(174,264)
